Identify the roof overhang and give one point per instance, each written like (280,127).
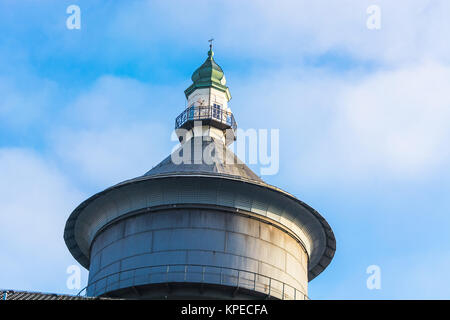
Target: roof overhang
(221,190)
(207,84)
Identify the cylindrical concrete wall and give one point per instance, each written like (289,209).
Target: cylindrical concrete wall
(198,245)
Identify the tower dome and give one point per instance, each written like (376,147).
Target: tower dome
(208,75)
(209,71)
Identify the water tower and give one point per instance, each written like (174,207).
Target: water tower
(199,226)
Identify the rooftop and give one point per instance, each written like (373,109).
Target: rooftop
(27,295)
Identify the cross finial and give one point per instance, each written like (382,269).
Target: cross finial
(210,43)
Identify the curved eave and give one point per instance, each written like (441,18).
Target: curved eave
(207,84)
(324,260)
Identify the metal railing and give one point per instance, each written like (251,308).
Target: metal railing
(206,113)
(206,274)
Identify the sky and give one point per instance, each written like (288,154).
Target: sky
(363,117)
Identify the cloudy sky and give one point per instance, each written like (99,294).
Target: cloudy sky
(363,114)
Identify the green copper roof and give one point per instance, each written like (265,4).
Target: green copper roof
(208,75)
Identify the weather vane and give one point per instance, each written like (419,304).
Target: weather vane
(210,43)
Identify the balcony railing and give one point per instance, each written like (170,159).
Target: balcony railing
(237,278)
(224,119)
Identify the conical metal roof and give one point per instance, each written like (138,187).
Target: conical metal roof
(200,156)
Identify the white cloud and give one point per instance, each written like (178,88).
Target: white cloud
(400,118)
(114,132)
(109,156)
(35,201)
(393,122)
(288,30)
(107,133)
(24,101)
(112,101)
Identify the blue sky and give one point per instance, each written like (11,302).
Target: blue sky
(363,116)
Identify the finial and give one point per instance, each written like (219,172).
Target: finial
(210,43)
(210,52)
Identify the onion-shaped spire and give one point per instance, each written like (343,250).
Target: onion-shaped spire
(208,75)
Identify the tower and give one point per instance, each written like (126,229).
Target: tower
(200,224)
